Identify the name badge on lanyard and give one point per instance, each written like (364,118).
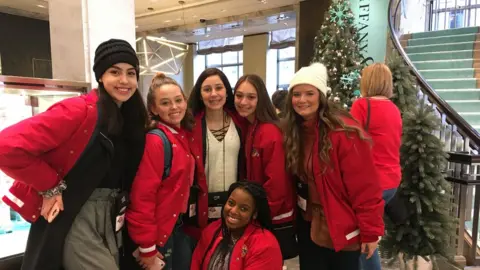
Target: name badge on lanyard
(216,200)
(192,210)
(302,195)
(215,212)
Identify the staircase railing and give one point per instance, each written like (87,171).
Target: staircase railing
(457,133)
(462,142)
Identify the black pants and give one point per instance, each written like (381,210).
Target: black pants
(314,257)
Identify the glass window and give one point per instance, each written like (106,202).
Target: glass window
(228,62)
(286,53)
(232,74)
(286,70)
(230,58)
(281,66)
(214,59)
(240,71)
(449,14)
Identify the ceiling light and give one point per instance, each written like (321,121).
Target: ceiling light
(136,26)
(223,10)
(207,35)
(178,19)
(195,16)
(167,21)
(41,6)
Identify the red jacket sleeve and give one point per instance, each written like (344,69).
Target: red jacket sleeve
(22,144)
(358,111)
(265,254)
(362,184)
(142,225)
(200,249)
(276,182)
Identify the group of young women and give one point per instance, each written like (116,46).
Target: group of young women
(214,182)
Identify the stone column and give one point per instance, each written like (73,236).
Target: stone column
(77,27)
(255,55)
(310,17)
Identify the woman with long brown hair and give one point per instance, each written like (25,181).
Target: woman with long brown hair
(339,196)
(265,157)
(218,143)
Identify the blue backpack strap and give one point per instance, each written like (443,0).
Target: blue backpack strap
(167,148)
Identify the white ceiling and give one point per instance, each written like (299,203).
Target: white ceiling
(170,16)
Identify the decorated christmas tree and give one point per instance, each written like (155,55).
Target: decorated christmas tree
(337,47)
(427,194)
(405,92)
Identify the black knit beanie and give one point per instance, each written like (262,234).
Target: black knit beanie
(112,52)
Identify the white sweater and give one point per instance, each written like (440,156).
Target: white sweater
(219,175)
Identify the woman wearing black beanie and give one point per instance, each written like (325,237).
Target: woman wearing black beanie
(73,166)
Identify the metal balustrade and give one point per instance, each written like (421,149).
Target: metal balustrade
(460,139)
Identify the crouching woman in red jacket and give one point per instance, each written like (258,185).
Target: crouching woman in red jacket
(241,239)
(338,190)
(265,157)
(161,189)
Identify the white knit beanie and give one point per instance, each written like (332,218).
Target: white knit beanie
(315,74)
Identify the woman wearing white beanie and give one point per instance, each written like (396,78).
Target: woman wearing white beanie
(338,192)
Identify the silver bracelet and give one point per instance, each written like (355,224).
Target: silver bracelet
(57,190)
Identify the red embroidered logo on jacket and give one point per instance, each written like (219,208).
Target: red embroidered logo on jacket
(244,251)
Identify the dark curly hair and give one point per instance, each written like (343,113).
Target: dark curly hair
(263,219)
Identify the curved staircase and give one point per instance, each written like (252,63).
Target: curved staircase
(449,60)
(446,65)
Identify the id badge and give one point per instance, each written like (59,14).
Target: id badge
(302,203)
(120,203)
(302,194)
(192,210)
(215,212)
(119,222)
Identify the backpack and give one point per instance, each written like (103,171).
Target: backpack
(167,148)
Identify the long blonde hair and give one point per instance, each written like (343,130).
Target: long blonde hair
(330,119)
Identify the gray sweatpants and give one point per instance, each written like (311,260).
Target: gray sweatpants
(91,243)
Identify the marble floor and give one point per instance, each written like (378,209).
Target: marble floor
(293,265)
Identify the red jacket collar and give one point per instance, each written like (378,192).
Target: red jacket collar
(92,96)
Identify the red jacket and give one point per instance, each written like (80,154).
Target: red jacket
(349,190)
(257,249)
(39,151)
(385,128)
(155,203)
(265,160)
(198,141)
